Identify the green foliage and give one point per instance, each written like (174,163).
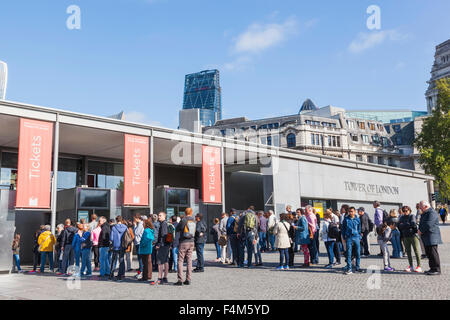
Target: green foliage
(434,140)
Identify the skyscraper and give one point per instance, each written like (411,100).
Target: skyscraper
(202,91)
(3,79)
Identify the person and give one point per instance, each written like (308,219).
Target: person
(430,233)
(338,247)
(312,225)
(118,252)
(173,259)
(262,230)
(129,249)
(58,253)
(232,224)
(351,232)
(408,229)
(418,215)
(76,245)
(443,212)
(66,245)
(156,224)
(327,239)
(95,234)
(16,252)
(366,228)
(215,233)
(384,232)
(271,222)
(257,248)
(225,250)
(86,249)
(290,220)
(36,253)
(316,236)
(303,238)
(200,240)
(93,224)
(103,246)
(378,217)
(144,250)
(186,228)
(247,235)
(395,236)
(138,230)
(282,241)
(163,247)
(46,242)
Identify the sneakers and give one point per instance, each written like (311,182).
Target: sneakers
(328,266)
(408,269)
(285,268)
(279,268)
(178,283)
(418,270)
(187,282)
(348,272)
(389,269)
(164,281)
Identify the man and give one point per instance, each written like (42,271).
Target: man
(366,228)
(271,223)
(173,260)
(66,245)
(312,225)
(351,232)
(431,236)
(156,224)
(138,229)
(199,240)
(378,217)
(46,242)
(118,252)
(226,249)
(186,229)
(262,231)
(248,236)
(232,235)
(103,246)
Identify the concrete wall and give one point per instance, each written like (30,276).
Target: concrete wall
(243,189)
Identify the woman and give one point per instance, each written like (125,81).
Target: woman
(129,249)
(86,246)
(395,238)
(58,256)
(302,236)
(290,220)
(443,212)
(329,242)
(282,241)
(408,228)
(162,247)
(16,251)
(145,249)
(76,244)
(95,248)
(215,232)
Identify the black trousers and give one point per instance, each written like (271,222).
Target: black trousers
(96,255)
(365,243)
(433,258)
(36,258)
(291,255)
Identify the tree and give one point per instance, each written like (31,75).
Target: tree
(434,140)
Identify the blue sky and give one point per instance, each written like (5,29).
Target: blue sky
(132,55)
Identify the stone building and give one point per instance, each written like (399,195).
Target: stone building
(440,69)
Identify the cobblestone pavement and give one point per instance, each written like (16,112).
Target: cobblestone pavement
(227,282)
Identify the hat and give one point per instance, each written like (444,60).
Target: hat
(361,209)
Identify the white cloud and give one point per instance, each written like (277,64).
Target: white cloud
(139,117)
(238,64)
(365,41)
(258,38)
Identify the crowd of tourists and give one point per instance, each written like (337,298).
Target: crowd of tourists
(164,245)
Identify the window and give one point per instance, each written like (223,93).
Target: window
(388,129)
(269,140)
(291,143)
(276,125)
(359,157)
(370,159)
(398,140)
(8,171)
(334,141)
(329,141)
(372,126)
(365,138)
(338,141)
(351,124)
(312,139)
(385,142)
(317,139)
(396,128)
(354,137)
(380,160)
(376,139)
(361,125)
(276,140)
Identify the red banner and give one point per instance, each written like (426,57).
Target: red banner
(135,187)
(34,164)
(211,175)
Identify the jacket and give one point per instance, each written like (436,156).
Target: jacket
(145,246)
(351,228)
(76,243)
(429,226)
(407,225)
(281,232)
(95,234)
(162,234)
(241,229)
(156,225)
(215,232)
(138,231)
(46,240)
(378,216)
(105,235)
(223,225)
(366,224)
(302,234)
(117,232)
(200,228)
(312,221)
(86,242)
(68,234)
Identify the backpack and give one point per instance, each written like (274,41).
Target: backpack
(385,216)
(236,225)
(230,225)
(249,221)
(170,233)
(189,229)
(126,239)
(333,231)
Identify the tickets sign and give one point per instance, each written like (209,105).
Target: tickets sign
(135,187)
(211,175)
(34,164)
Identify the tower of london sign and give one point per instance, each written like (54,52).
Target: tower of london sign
(371,188)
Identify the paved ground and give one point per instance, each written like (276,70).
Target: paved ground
(226,282)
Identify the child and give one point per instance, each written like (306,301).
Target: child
(384,232)
(16,252)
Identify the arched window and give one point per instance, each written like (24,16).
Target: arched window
(291,140)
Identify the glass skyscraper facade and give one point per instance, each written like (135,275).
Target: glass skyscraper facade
(202,91)
(3,79)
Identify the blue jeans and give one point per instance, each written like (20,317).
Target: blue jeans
(314,255)
(77,255)
(396,245)
(67,258)
(284,257)
(104,261)
(330,251)
(272,241)
(175,258)
(200,259)
(262,241)
(218,252)
(17,261)
(118,255)
(44,256)
(86,261)
(257,248)
(349,244)
(249,244)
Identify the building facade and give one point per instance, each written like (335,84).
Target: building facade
(3,79)
(440,69)
(202,91)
